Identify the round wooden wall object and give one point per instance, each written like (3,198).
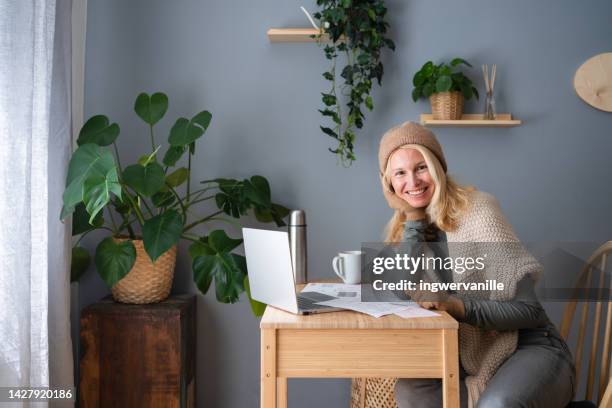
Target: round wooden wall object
(593,81)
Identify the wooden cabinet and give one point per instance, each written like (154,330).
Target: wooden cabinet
(138,355)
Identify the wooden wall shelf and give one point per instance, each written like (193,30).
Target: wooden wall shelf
(292,34)
(471,120)
(295,35)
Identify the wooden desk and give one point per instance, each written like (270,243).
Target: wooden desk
(351,344)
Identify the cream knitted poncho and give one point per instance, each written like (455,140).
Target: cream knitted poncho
(486,229)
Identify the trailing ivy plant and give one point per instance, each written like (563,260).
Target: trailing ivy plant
(357,29)
(153,200)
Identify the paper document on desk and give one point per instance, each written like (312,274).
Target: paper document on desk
(416,312)
(375,309)
(338,290)
(349,297)
(379,309)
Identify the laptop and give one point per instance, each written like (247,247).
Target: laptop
(271,274)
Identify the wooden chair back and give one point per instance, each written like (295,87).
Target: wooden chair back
(593,275)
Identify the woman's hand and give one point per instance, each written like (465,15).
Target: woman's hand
(440,301)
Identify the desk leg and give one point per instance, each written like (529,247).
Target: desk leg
(450,382)
(281,384)
(268,368)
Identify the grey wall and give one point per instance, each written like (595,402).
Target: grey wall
(551,175)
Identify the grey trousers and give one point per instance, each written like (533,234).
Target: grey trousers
(540,374)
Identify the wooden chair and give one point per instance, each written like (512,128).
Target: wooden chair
(593,272)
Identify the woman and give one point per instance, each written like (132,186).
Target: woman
(511,355)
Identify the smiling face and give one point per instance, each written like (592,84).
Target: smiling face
(410,177)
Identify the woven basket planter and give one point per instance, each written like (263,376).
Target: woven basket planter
(146,282)
(373,393)
(446,105)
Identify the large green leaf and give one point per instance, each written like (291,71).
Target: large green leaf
(161,232)
(80,262)
(97,190)
(80,220)
(444,83)
(257,308)
(229,281)
(177,177)
(97,130)
(258,190)
(228,271)
(419,79)
(203,119)
(185,131)
(220,242)
(151,108)
(145,180)
(88,161)
(114,259)
(232,198)
(262,185)
(200,248)
(203,269)
(173,155)
(237,197)
(275,212)
(234,205)
(428,69)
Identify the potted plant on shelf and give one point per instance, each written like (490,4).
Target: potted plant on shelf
(358,31)
(445,87)
(150,208)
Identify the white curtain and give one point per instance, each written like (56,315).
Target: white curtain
(35,144)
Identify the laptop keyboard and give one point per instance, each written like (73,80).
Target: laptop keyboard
(308,300)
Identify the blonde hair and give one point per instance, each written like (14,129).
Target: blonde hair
(447,205)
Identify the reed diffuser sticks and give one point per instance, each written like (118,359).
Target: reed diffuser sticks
(489,79)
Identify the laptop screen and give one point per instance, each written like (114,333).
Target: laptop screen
(269,268)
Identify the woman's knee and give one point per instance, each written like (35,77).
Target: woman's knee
(499,400)
(418,393)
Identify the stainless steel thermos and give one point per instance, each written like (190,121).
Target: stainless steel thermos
(297,245)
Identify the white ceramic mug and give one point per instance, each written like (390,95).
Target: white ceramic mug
(347,265)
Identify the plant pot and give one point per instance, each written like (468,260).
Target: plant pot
(447,105)
(146,282)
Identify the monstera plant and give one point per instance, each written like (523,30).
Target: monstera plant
(154,200)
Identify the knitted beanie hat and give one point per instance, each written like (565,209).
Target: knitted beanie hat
(408,133)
